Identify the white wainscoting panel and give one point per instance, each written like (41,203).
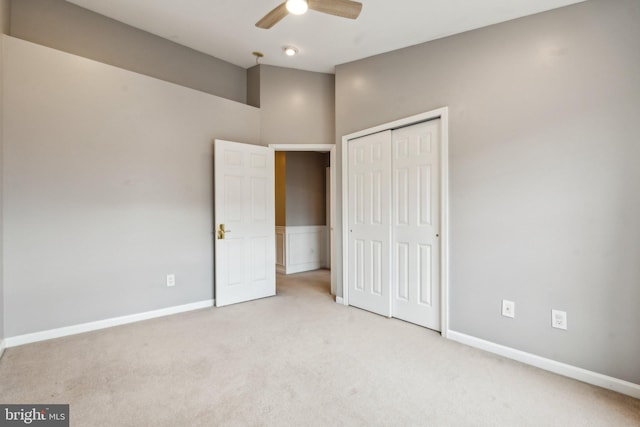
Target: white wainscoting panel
(281,250)
(300,248)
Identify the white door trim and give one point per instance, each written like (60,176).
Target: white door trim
(331,148)
(443,115)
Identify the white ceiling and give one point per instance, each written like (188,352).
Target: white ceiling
(226,28)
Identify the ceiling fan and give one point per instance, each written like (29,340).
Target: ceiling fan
(344,8)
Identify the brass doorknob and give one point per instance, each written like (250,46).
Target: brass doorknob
(222,231)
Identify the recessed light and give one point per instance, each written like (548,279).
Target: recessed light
(290,50)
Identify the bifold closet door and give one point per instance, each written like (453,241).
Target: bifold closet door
(415,253)
(370,223)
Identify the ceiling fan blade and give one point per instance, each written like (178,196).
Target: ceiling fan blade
(273,17)
(344,8)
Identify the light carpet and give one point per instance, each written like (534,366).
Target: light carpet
(296,359)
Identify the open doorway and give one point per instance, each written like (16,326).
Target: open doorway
(299,246)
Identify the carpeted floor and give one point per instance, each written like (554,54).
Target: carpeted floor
(297,359)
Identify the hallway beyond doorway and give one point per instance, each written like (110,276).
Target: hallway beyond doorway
(316,283)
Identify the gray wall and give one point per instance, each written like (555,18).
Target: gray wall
(70,28)
(544,174)
(253,86)
(297,107)
(108,188)
(4,29)
(306,192)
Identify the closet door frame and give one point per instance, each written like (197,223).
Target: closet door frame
(443,115)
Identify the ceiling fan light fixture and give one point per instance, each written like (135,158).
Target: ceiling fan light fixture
(297,7)
(290,50)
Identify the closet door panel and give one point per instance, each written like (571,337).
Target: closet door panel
(415,257)
(370,222)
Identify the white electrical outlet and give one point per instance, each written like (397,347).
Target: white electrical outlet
(559,319)
(171,279)
(508,308)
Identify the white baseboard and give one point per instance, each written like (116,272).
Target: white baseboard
(2,347)
(102,324)
(339,300)
(560,368)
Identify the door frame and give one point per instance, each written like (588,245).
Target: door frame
(443,115)
(331,149)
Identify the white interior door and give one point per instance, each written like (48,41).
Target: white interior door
(369,222)
(245,222)
(415,249)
